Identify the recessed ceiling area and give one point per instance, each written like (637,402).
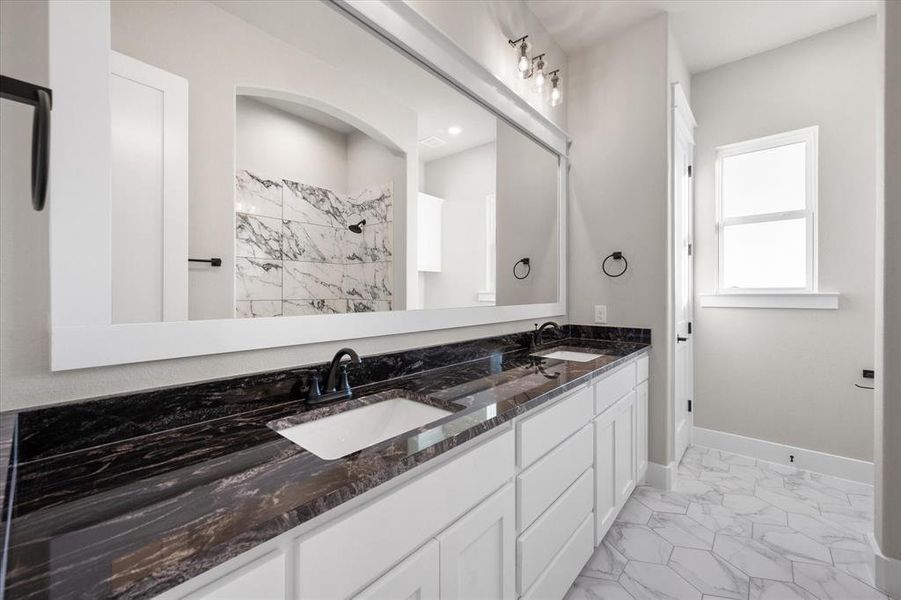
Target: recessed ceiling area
(709,34)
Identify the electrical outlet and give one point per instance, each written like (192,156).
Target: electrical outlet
(600,313)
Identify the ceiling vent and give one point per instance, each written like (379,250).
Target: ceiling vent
(433,141)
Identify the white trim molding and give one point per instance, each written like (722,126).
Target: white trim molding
(661,476)
(812,460)
(886,570)
(808,300)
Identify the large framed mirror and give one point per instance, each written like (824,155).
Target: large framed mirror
(342,171)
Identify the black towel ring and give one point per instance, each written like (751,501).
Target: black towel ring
(618,255)
(526,262)
(41,99)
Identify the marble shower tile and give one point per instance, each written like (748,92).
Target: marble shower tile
(753,558)
(828,583)
(247,309)
(374,203)
(357,306)
(585,588)
(312,243)
(709,573)
(316,306)
(681,530)
(258,237)
(368,281)
(791,544)
(647,581)
(767,589)
(258,279)
(313,205)
(373,245)
(257,195)
(313,280)
(606,563)
(660,500)
(638,542)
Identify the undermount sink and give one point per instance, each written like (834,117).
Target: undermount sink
(570,355)
(346,432)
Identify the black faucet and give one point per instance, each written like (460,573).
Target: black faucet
(337,386)
(536,335)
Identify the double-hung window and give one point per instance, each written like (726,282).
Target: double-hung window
(766,195)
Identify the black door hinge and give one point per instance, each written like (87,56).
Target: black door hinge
(689,327)
(689,406)
(689,170)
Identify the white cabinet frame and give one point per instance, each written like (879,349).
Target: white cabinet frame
(83,334)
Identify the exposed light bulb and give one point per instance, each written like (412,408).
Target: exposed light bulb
(523,65)
(540,78)
(454,130)
(556,93)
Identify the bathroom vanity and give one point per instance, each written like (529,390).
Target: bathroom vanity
(504,496)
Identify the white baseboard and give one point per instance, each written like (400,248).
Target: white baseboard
(886,570)
(661,476)
(811,460)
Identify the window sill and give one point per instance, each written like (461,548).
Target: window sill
(808,300)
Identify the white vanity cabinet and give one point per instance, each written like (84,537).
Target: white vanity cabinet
(416,578)
(262,579)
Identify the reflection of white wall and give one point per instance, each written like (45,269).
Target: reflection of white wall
(527,182)
(464,180)
(218,53)
(271,142)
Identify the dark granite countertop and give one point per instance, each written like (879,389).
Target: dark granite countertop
(127,497)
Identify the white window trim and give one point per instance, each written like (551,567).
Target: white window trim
(802,297)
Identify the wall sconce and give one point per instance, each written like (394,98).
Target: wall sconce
(523,62)
(556,92)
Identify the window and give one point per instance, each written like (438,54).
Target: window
(766,193)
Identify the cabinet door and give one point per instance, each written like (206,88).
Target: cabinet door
(416,578)
(262,579)
(641,426)
(624,426)
(477,552)
(605,473)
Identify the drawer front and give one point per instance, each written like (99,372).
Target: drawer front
(642,366)
(540,433)
(550,532)
(264,578)
(613,387)
(389,525)
(416,577)
(538,486)
(566,566)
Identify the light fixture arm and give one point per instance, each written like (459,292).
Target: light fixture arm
(517,41)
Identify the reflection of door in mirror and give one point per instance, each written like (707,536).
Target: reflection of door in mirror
(149,136)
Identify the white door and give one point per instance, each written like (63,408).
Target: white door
(416,578)
(683,150)
(149,135)
(477,552)
(624,449)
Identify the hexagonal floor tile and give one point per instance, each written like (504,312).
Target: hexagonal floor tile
(828,583)
(647,581)
(681,530)
(639,542)
(791,544)
(752,557)
(709,573)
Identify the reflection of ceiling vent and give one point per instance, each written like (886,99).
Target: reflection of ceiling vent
(433,141)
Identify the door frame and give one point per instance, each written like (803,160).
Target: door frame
(683,124)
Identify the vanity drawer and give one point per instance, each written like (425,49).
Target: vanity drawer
(538,486)
(642,365)
(374,538)
(538,434)
(538,545)
(613,387)
(567,565)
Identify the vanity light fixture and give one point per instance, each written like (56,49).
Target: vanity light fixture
(454,130)
(523,62)
(538,73)
(556,92)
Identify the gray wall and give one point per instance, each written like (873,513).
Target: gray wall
(618,195)
(25,377)
(787,375)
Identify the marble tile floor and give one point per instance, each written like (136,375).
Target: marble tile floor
(734,527)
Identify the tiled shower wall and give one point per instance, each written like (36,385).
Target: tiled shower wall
(294,254)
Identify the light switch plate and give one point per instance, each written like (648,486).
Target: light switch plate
(600,313)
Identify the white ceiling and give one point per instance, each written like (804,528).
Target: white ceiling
(709,33)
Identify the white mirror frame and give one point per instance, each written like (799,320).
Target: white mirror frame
(83,334)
